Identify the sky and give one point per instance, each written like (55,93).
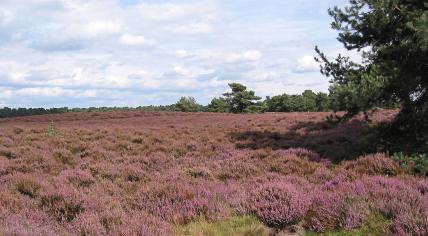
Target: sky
(82,53)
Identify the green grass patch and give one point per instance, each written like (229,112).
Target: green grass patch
(237,225)
(376,225)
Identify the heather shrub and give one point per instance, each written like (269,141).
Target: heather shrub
(392,196)
(8,153)
(5,167)
(62,203)
(410,222)
(10,201)
(63,156)
(178,203)
(331,210)
(293,165)
(355,214)
(279,204)
(29,222)
(28,187)
(78,177)
(199,172)
(375,164)
(235,170)
(302,153)
(325,212)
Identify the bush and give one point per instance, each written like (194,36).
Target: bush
(63,156)
(118,222)
(374,164)
(178,203)
(28,187)
(325,212)
(238,225)
(279,204)
(416,164)
(62,203)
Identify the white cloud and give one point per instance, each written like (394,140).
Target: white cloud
(153,52)
(192,28)
(6,17)
(171,11)
(53,92)
(96,28)
(307,64)
(135,40)
(221,56)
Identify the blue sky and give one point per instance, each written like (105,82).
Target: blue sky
(81,53)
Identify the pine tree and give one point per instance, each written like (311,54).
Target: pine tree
(393,38)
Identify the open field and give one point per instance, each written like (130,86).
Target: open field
(159,173)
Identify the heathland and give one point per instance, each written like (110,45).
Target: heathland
(166,173)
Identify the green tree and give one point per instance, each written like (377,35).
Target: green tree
(240,98)
(322,102)
(393,36)
(187,104)
(309,101)
(219,105)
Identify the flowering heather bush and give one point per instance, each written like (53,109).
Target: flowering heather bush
(63,203)
(375,164)
(279,204)
(119,223)
(303,153)
(178,203)
(28,187)
(137,173)
(325,212)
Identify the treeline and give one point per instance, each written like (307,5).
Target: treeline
(241,100)
(7,112)
(238,100)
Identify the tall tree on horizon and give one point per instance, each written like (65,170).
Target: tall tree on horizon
(240,98)
(393,38)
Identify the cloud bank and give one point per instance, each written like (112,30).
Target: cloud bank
(81,53)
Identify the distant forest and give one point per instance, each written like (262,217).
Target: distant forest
(239,100)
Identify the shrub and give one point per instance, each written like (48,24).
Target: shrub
(279,204)
(325,211)
(78,177)
(62,203)
(375,164)
(119,222)
(303,153)
(178,203)
(414,164)
(8,153)
(410,222)
(293,165)
(63,156)
(355,214)
(28,187)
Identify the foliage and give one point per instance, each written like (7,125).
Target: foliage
(236,225)
(279,204)
(14,112)
(240,98)
(114,173)
(28,187)
(393,37)
(376,225)
(52,130)
(307,101)
(219,105)
(416,164)
(374,164)
(187,104)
